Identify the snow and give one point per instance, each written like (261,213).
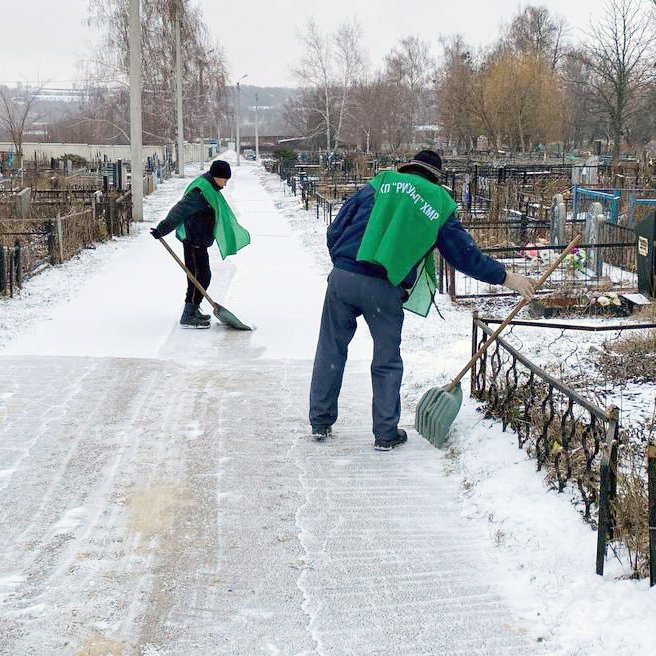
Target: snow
(159,493)
(131,294)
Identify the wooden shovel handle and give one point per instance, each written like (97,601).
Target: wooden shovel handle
(513,314)
(190,275)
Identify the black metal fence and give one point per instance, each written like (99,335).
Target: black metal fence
(524,243)
(525,246)
(115,213)
(326,209)
(326,194)
(26,245)
(32,248)
(572,439)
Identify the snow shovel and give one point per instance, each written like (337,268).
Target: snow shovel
(439,406)
(222,314)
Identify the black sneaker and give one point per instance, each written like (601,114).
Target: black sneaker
(387,445)
(321,431)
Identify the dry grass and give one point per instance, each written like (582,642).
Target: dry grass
(630,358)
(644,343)
(631,521)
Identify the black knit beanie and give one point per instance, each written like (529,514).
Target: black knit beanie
(220,169)
(427,162)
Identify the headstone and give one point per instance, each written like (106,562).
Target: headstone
(558,218)
(592,166)
(594,224)
(23,200)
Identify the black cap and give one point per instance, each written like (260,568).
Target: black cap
(426,161)
(220,169)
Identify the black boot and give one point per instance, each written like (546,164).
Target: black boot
(190,320)
(381,444)
(200,315)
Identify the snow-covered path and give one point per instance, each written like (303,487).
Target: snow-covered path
(159,493)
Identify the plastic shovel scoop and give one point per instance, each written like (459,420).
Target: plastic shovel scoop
(436,412)
(225,316)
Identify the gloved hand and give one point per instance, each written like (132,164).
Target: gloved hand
(524,286)
(156,233)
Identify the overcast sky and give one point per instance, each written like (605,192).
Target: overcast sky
(43,39)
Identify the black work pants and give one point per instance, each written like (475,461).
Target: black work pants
(198,262)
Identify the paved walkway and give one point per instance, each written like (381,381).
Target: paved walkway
(175,504)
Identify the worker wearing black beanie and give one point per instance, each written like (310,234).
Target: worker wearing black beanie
(194,220)
(220,169)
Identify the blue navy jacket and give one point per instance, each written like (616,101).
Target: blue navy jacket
(453,241)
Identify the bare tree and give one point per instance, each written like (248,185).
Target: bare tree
(327,72)
(349,64)
(17,115)
(371,100)
(482,107)
(315,73)
(582,114)
(454,89)
(536,31)
(204,71)
(303,112)
(526,99)
(619,53)
(409,67)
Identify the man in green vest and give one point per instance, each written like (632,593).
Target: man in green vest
(199,218)
(381,245)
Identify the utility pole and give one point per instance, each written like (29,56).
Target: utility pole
(257,140)
(238,120)
(218,121)
(178,86)
(135,113)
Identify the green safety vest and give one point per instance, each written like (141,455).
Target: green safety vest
(402,230)
(229,235)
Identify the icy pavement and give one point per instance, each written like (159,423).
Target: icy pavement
(160,494)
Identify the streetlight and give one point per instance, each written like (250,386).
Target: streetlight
(237,117)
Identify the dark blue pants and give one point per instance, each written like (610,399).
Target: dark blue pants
(348,296)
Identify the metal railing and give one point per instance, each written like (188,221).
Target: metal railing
(32,248)
(26,245)
(326,209)
(571,438)
(614,261)
(115,212)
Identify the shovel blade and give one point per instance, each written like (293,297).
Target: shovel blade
(225,316)
(436,411)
